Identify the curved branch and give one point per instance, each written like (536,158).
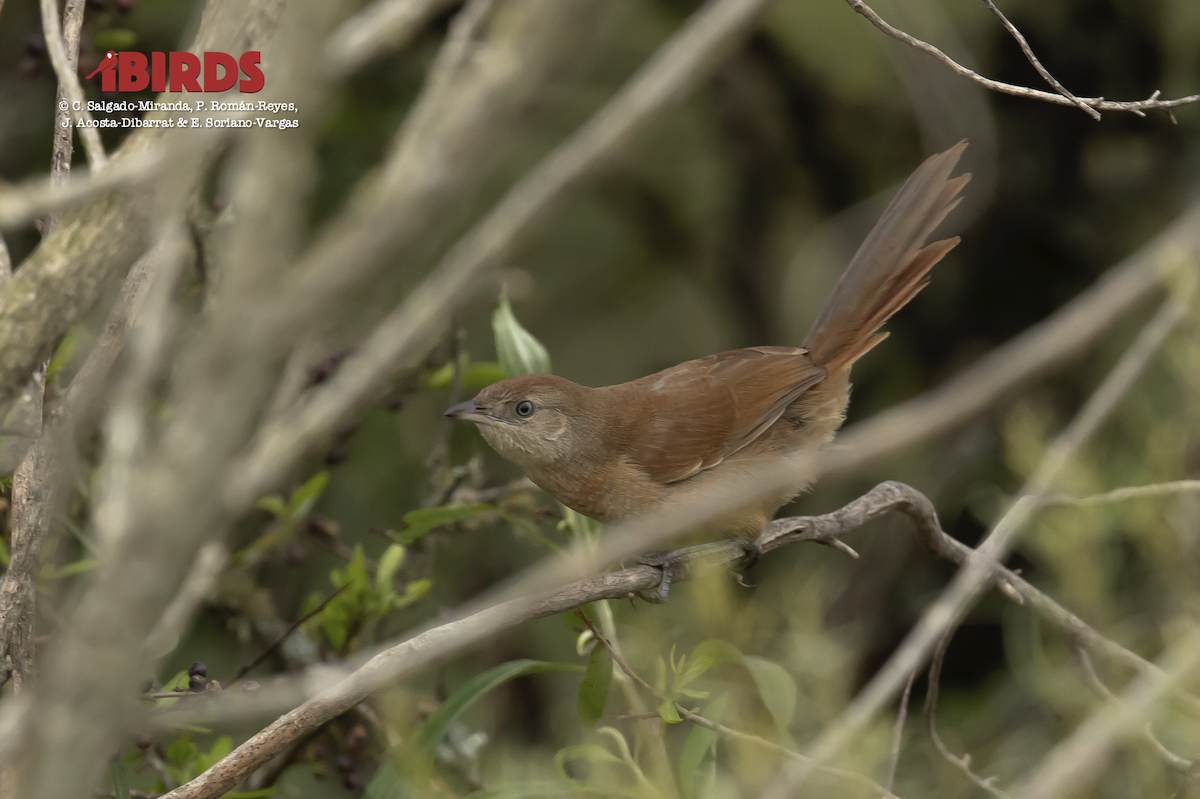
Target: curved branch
(437,642)
(1138,107)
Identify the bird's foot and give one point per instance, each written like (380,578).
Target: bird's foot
(665,562)
(752,552)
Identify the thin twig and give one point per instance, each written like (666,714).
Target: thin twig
(283,636)
(1173,760)
(898,733)
(1125,494)
(1071,766)
(1033,59)
(963,763)
(722,729)
(1138,107)
(160,768)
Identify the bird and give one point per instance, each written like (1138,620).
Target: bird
(614,452)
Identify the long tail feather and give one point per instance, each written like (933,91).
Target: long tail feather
(891,266)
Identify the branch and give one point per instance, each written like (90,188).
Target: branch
(93,246)
(1173,760)
(980,568)
(963,763)
(21,204)
(384,25)
(445,639)
(1138,107)
(64,56)
(1072,765)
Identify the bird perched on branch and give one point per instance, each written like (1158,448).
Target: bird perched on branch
(617,451)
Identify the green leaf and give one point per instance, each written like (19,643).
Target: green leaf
(113,39)
(434,728)
(475,376)
(305,497)
(699,741)
(76,567)
(419,522)
(273,504)
(220,748)
(668,713)
(776,687)
(5,557)
(412,592)
(696,670)
(392,557)
(335,622)
(181,751)
(593,690)
(518,351)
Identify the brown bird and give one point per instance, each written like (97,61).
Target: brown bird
(617,451)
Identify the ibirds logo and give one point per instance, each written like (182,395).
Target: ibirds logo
(131,71)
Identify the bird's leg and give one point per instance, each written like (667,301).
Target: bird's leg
(681,563)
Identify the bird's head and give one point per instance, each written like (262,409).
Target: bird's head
(534,421)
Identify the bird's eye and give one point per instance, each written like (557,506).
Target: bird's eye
(524,409)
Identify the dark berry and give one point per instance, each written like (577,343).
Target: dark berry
(198,668)
(343,764)
(197,683)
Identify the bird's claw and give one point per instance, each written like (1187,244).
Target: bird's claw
(664,562)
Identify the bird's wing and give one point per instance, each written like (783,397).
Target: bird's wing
(699,413)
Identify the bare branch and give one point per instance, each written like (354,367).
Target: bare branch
(898,733)
(1033,59)
(1138,107)
(1173,760)
(199,584)
(21,204)
(963,763)
(1074,763)
(980,567)
(1125,494)
(442,640)
(64,57)
(383,25)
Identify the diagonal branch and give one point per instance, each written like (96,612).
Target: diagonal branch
(979,569)
(1138,107)
(1033,59)
(445,639)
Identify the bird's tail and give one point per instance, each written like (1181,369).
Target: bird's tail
(891,265)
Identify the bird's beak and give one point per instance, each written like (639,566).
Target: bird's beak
(469,412)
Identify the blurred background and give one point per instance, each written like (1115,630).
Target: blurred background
(726,226)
